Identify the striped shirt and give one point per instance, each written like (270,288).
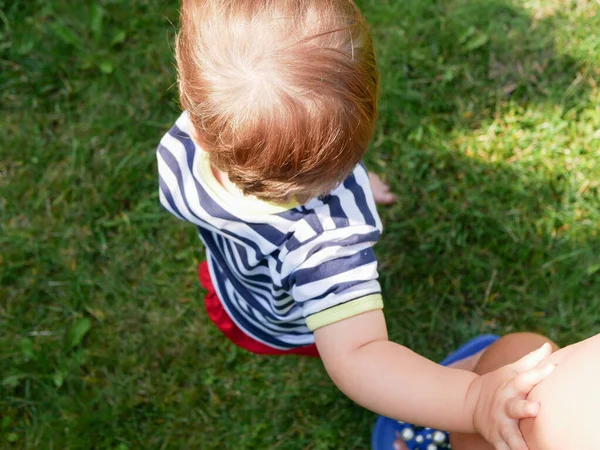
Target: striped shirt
(280,271)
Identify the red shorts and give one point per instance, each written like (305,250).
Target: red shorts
(219,316)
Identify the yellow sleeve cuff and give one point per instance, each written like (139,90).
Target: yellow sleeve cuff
(344,311)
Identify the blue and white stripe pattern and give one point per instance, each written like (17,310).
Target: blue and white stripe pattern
(273,270)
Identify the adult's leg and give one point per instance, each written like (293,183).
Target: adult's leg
(569,399)
(506,350)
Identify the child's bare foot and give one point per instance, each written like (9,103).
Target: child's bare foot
(381,191)
(399,443)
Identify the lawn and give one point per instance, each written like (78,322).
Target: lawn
(489,132)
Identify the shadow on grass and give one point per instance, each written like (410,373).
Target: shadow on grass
(480,240)
(476,247)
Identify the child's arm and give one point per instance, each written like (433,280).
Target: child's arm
(394,381)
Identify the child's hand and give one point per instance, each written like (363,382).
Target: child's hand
(501,399)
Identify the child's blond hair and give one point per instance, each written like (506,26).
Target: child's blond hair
(281,93)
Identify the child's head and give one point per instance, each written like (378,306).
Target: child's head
(281,93)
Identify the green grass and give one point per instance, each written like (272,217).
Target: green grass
(489,132)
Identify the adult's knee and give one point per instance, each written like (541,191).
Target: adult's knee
(569,400)
(508,349)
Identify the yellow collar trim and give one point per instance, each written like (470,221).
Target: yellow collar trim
(231,202)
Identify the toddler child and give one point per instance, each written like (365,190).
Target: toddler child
(280,100)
